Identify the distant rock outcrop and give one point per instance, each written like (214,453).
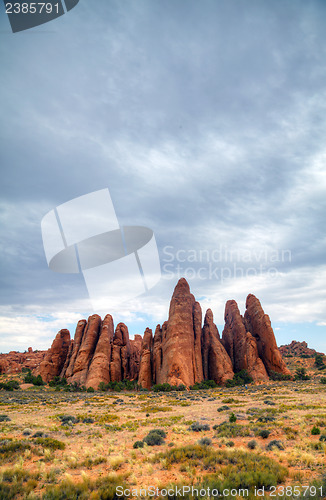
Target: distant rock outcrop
(13,361)
(299,349)
(182,351)
(241,345)
(259,325)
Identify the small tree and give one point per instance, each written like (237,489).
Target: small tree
(300,374)
(232,418)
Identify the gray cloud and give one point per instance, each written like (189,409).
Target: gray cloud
(206,121)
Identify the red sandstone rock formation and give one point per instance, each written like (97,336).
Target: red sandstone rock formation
(259,325)
(146,360)
(14,362)
(217,364)
(80,328)
(241,345)
(99,370)
(55,358)
(85,351)
(158,353)
(179,343)
(299,349)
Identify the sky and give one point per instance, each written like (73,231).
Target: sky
(206,122)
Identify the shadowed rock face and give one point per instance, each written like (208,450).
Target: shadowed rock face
(259,325)
(55,358)
(181,352)
(241,345)
(179,341)
(146,360)
(217,364)
(99,370)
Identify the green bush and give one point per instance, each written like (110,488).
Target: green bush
(228,430)
(279,376)
(203,385)
(198,427)
(30,379)
(300,374)
(5,418)
(323,380)
(275,443)
(155,437)
(264,433)
(232,418)
(138,444)
(90,389)
(240,378)
(58,382)
(252,444)
(205,441)
(322,437)
(315,430)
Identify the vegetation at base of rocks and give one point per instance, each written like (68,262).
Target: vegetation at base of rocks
(168,388)
(279,376)
(31,379)
(124,385)
(228,430)
(198,427)
(58,382)
(319,362)
(226,469)
(10,385)
(300,374)
(240,378)
(203,385)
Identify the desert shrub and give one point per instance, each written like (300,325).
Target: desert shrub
(58,382)
(68,419)
(50,443)
(9,449)
(252,444)
(269,402)
(266,418)
(88,420)
(203,385)
(138,444)
(279,376)
(300,374)
(31,379)
(323,380)
(322,437)
(10,385)
(229,444)
(27,432)
(5,418)
(264,433)
(319,362)
(168,388)
(315,430)
(90,389)
(16,482)
(198,427)
(223,408)
(205,441)
(227,468)
(103,488)
(240,378)
(228,430)
(275,443)
(155,437)
(232,418)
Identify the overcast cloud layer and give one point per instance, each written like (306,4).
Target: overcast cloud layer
(206,120)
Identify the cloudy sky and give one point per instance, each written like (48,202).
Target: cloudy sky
(206,121)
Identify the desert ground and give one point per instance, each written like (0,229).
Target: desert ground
(63,445)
